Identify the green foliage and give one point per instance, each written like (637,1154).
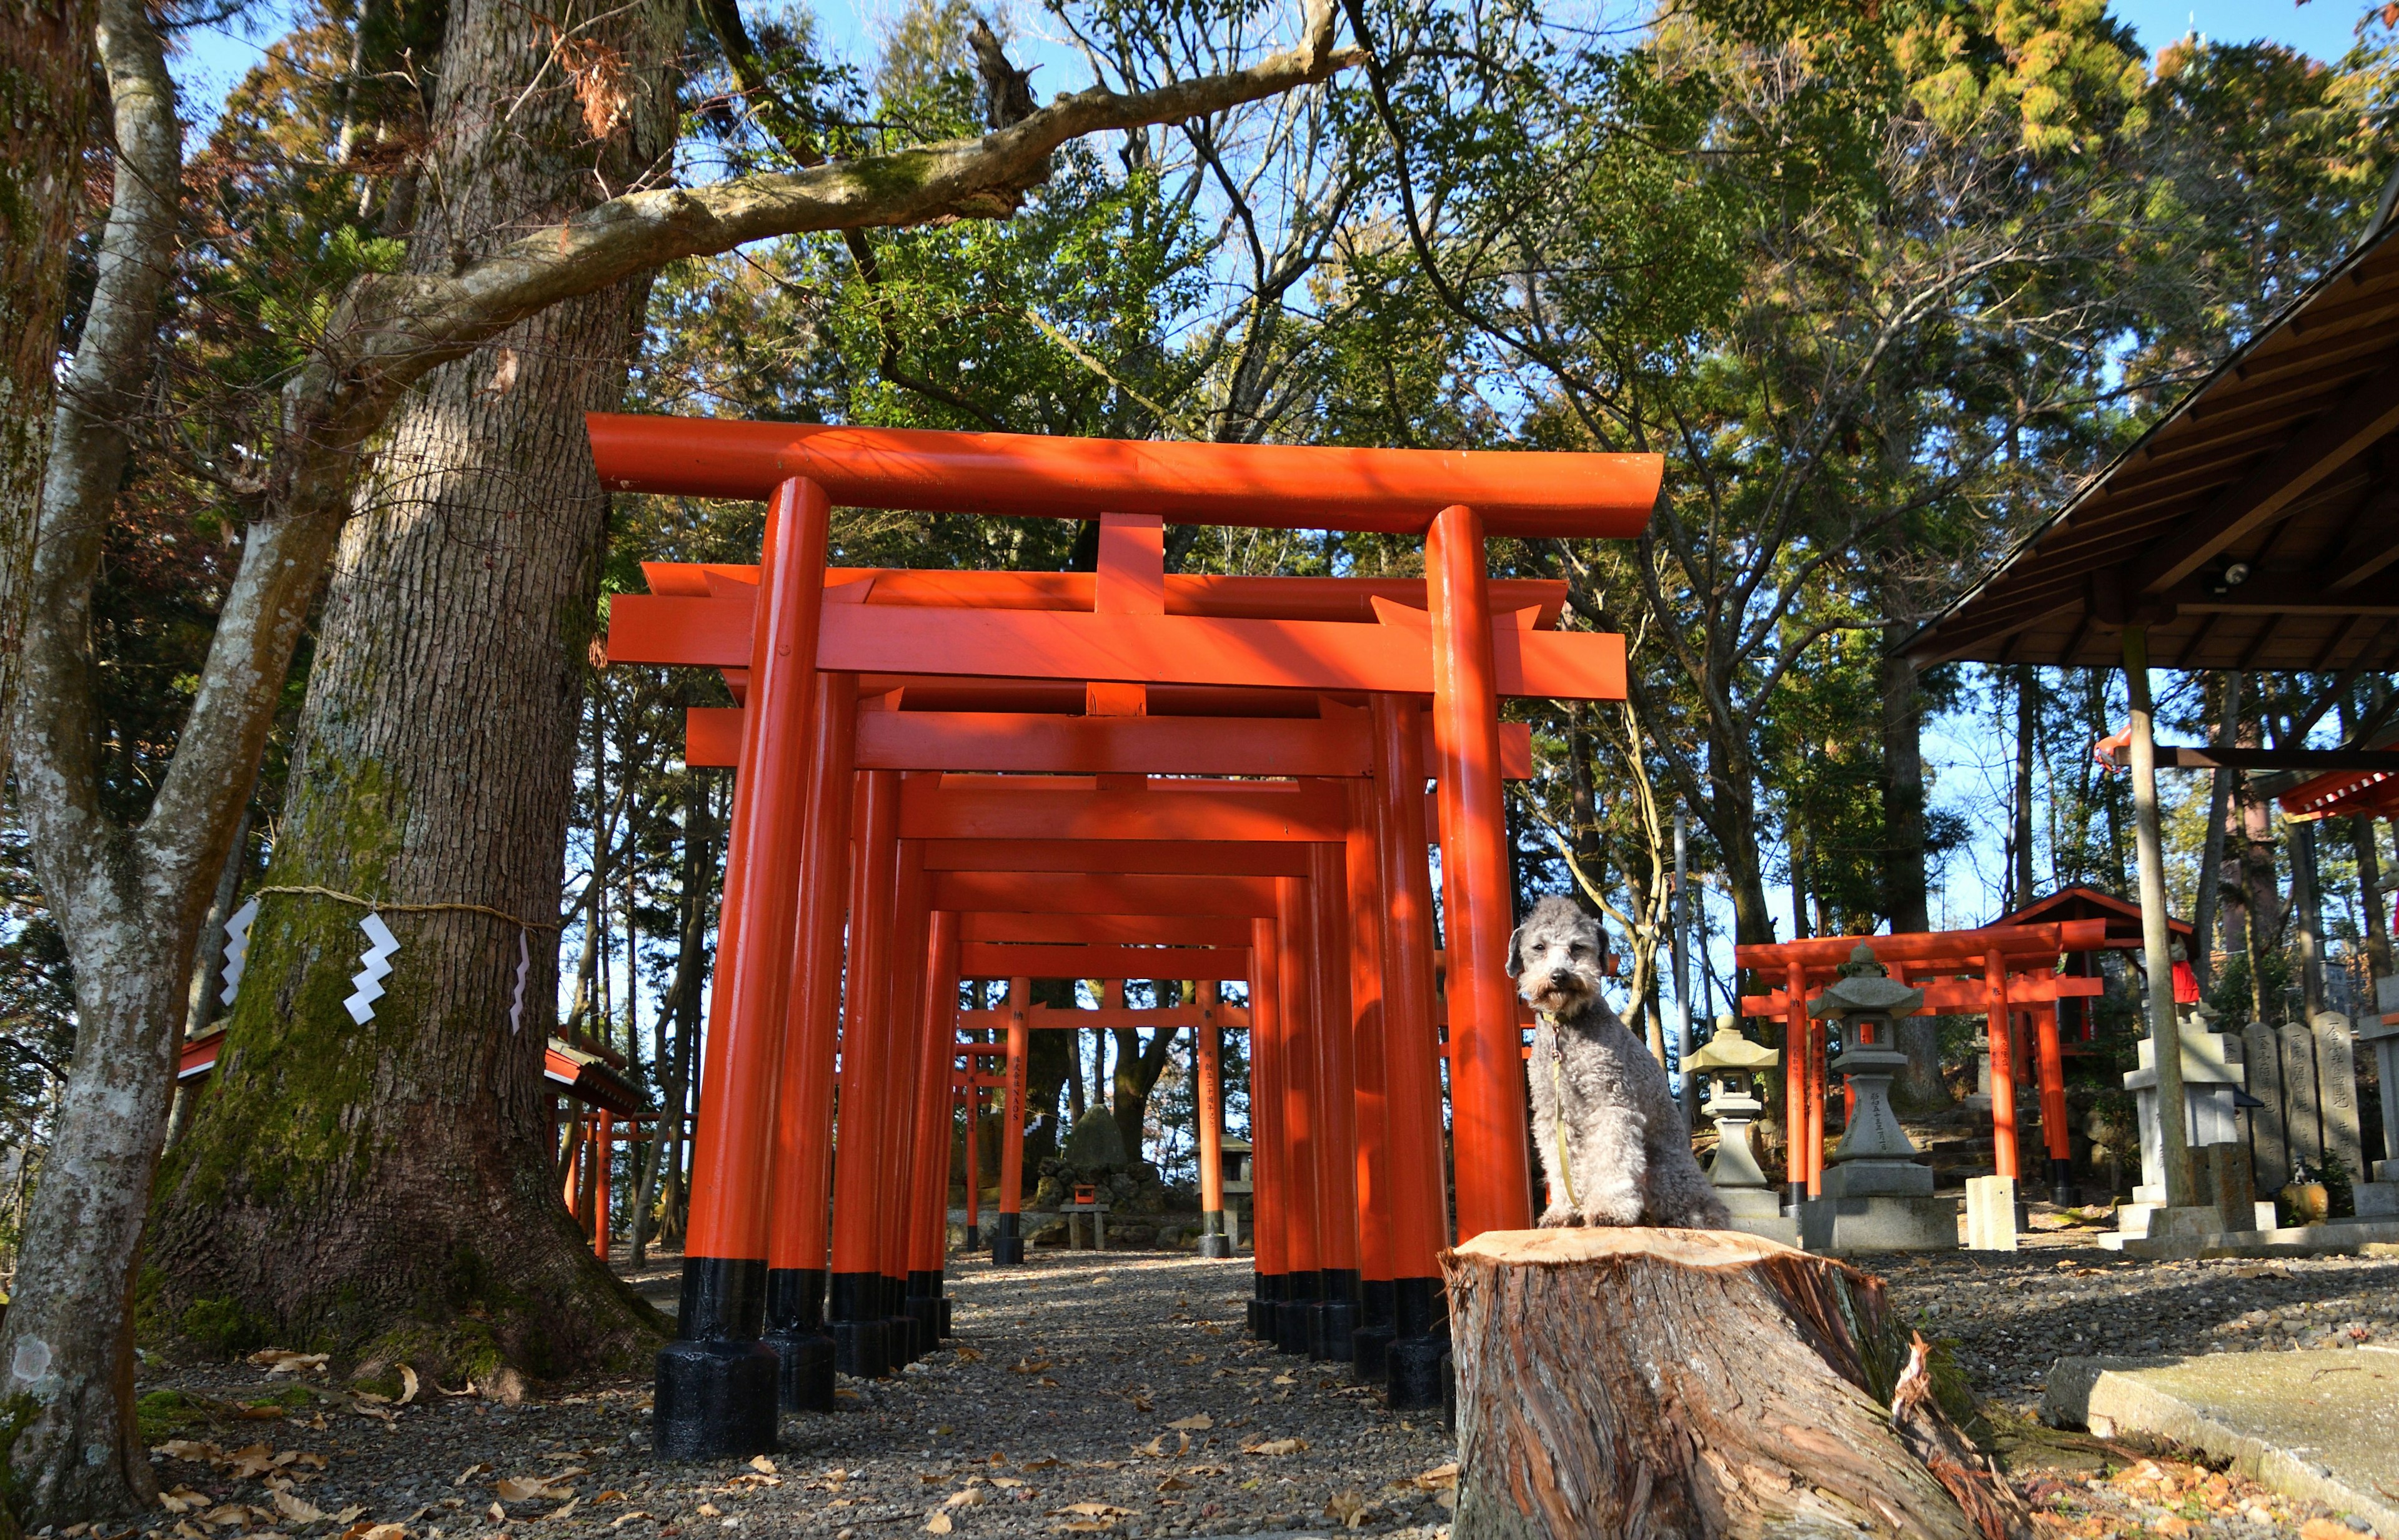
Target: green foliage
(222,1327)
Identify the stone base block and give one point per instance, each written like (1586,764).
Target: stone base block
(2375,1199)
(1769,1226)
(1752,1202)
(1990,1214)
(1847,1226)
(1878,1178)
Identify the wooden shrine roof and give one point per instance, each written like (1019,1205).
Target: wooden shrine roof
(2121,917)
(2252,528)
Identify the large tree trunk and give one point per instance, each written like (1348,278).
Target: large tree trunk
(46,75)
(1745,1395)
(1918,1088)
(389,1188)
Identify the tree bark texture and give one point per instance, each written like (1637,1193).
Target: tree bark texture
(346,1179)
(45,76)
(1681,1383)
(127,899)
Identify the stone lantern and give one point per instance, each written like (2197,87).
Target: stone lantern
(1877,1197)
(1730,1065)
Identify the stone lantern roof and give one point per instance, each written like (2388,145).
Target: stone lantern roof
(1728,1050)
(1865,988)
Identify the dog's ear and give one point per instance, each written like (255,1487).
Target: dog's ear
(1515,957)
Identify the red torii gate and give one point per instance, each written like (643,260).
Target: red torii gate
(716,1388)
(1929,960)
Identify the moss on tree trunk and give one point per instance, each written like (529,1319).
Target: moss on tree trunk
(388,1189)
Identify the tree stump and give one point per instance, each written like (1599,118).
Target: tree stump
(1690,1383)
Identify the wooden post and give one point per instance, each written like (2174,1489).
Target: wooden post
(2157,950)
(2003,1064)
(853,1306)
(1797,1166)
(973,1157)
(1486,1067)
(1334,1321)
(1207,1045)
(800,1218)
(937,1050)
(604,1161)
(1363,871)
(716,1386)
(1295,1075)
(2054,1135)
(1745,1397)
(1269,1242)
(1007,1241)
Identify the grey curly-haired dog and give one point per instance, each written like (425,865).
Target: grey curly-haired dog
(1611,1138)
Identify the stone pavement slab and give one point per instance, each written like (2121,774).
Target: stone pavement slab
(2321,1425)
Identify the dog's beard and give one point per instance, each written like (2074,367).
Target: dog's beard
(1557,999)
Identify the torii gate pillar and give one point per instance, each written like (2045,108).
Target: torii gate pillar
(1492,1162)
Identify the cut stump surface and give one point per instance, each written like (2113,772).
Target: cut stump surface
(1685,1382)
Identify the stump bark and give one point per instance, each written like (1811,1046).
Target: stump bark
(1690,1382)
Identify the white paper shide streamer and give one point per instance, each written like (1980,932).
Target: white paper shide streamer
(524,969)
(376,961)
(236,952)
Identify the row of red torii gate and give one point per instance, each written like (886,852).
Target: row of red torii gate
(1114,775)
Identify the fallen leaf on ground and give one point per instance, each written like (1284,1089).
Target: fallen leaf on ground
(1197,1423)
(1042,1463)
(298,1509)
(570,1506)
(710,1510)
(470,1472)
(1140,1403)
(1275,1446)
(1284,1379)
(1437,1478)
(623,1518)
(1046,1380)
(1350,1507)
(187,1449)
(760,1463)
(1006,1481)
(263,1414)
(355,1512)
(302,1457)
(257,1460)
(1028,1365)
(965,1499)
(518,1489)
(1175,1483)
(407,1385)
(1091,1510)
(282,1360)
(967,1355)
(611,1495)
(2327,1529)
(500,1514)
(939,1523)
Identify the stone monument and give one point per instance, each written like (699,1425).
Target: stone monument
(2378,1183)
(1730,1065)
(2212,1080)
(1877,1197)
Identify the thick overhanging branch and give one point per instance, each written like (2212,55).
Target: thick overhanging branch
(392,328)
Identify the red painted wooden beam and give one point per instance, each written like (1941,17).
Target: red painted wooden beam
(1097,960)
(1266,486)
(1289,655)
(1012,742)
(1154,857)
(1096,893)
(1067,807)
(1960,946)
(1106,929)
(1186,593)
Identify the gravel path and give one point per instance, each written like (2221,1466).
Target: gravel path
(1053,1410)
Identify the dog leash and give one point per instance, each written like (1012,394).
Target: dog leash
(1558,1088)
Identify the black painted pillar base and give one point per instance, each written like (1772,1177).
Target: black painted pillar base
(1377,1315)
(909,1341)
(861,1344)
(715,1394)
(795,1331)
(1213,1242)
(946,1315)
(1332,1320)
(1292,1311)
(1416,1372)
(974,1237)
(1265,1289)
(1008,1242)
(2061,1185)
(924,1307)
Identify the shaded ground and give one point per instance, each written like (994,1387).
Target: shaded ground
(1053,1410)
